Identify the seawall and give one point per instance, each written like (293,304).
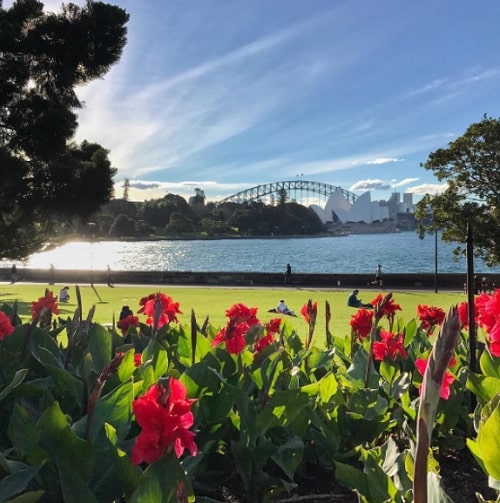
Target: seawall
(332,280)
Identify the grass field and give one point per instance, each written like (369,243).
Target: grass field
(213,301)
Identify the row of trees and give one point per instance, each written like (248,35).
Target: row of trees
(174,216)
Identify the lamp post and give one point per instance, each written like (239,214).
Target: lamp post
(435,261)
(91,226)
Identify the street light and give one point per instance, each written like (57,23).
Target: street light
(91,226)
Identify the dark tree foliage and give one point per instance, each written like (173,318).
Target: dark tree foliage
(43,57)
(471,167)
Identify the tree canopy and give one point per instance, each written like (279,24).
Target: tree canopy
(471,167)
(43,58)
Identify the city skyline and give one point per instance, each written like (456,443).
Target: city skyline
(223,96)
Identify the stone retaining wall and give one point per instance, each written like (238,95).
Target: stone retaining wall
(391,281)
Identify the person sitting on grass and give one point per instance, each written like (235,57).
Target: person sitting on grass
(64,294)
(284,309)
(353,301)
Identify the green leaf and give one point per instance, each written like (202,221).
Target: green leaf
(28,497)
(57,438)
(488,440)
(22,431)
(115,409)
(18,378)
(289,456)
(161,481)
(490,365)
(73,487)
(157,357)
(13,484)
(484,387)
(282,408)
(351,477)
(99,346)
(328,387)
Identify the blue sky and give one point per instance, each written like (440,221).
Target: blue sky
(224,95)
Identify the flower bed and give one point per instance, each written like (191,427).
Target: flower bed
(154,411)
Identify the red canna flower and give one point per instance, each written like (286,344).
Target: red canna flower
(137,359)
(389,307)
(6,327)
(488,317)
(129,321)
(309,311)
(239,313)
(168,308)
(233,335)
(272,328)
(361,322)
(389,347)
(463,314)
(241,318)
(421,365)
(430,316)
(165,418)
(46,303)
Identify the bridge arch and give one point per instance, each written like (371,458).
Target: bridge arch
(301,191)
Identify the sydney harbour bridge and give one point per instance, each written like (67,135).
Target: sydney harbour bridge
(301,191)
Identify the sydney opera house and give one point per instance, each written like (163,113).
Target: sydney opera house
(364,214)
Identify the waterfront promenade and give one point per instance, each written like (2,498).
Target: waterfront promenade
(409,281)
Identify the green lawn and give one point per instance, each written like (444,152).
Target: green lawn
(213,301)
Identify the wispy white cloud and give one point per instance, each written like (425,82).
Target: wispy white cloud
(402,183)
(383,160)
(370,185)
(428,188)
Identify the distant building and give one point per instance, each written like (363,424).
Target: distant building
(339,211)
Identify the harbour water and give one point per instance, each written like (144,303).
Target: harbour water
(356,253)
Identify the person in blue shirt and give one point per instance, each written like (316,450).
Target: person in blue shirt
(353,301)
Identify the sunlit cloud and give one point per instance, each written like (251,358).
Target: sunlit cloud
(370,185)
(384,160)
(428,188)
(402,183)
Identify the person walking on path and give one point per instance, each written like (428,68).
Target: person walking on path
(378,277)
(52,274)
(288,275)
(13,273)
(108,276)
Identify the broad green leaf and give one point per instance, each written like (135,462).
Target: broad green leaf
(27,497)
(351,477)
(99,346)
(57,438)
(357,371)
(127,366)
(484,387)
(69,387)
(18,378)
(490,365)
(128,474)
(488,440)
(289,456)
(115,409)
(328,387)
(73,487)
(23,433)
(17,482)
(282,408)
(45,349)
(161,481)
(158,357)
